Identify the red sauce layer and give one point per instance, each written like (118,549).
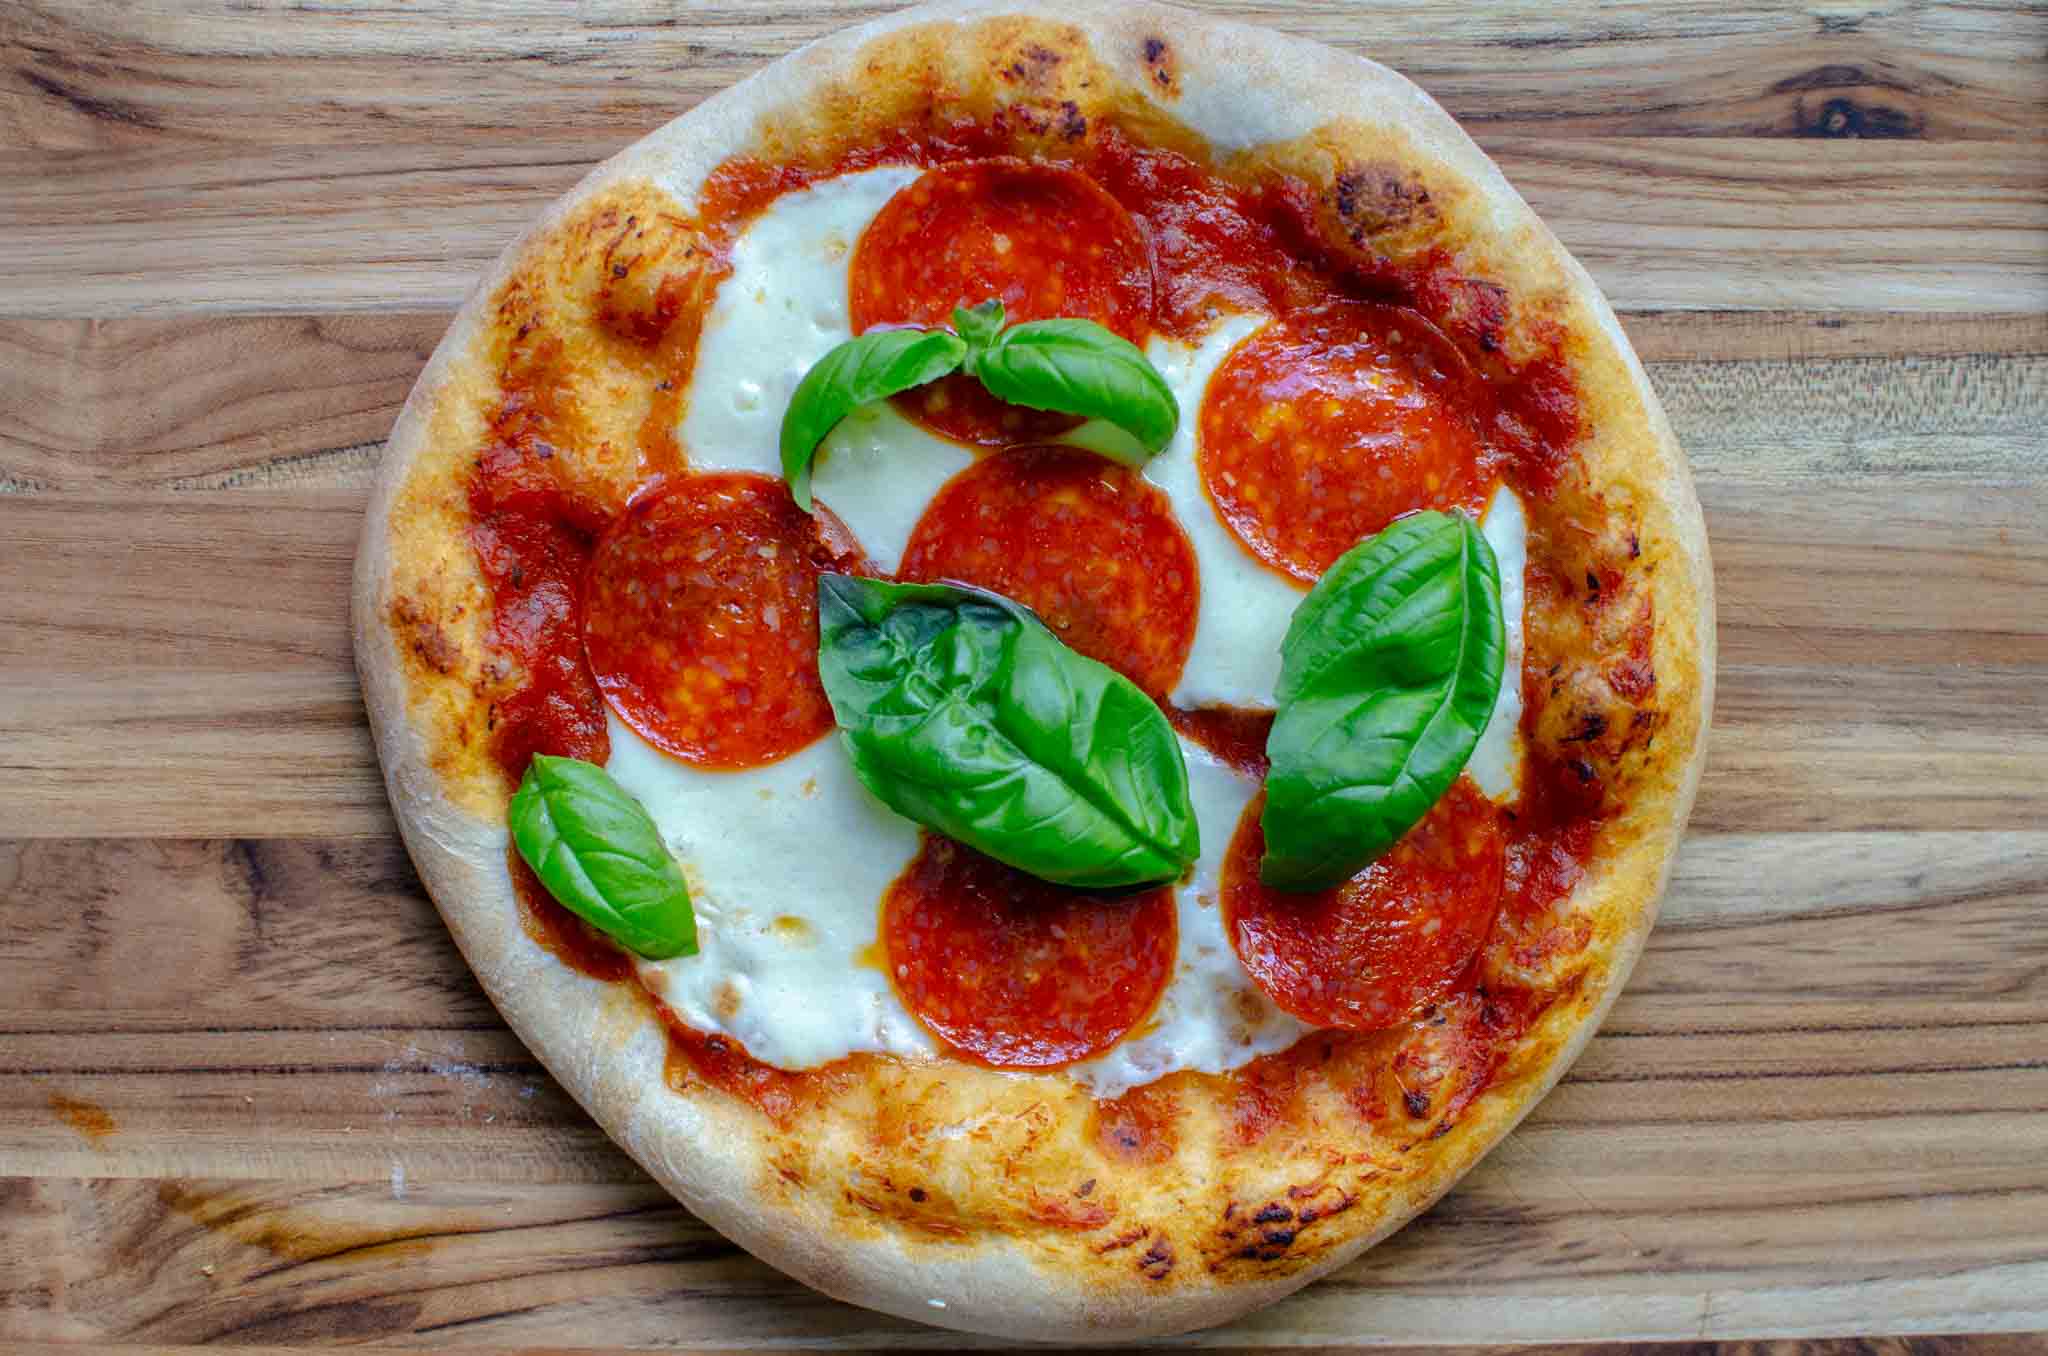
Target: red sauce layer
(532,541)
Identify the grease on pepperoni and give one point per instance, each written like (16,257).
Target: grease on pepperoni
(1329,423)
(1016,973)
(701,619)
(1395,938)
(1044,241)
(1090,546)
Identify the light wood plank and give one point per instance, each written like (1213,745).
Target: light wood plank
(1959,1344)
(313,1024)
(190,936)
(1671,337)
(1660,221)
(248,1090)
(301,402)
(152,686)
(212,402)
(1963,1344)
(403,1261)
(84,76)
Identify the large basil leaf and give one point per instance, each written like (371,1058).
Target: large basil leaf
(963,712)
(872,367)
(1078,367)
(598,852)
(1388,676)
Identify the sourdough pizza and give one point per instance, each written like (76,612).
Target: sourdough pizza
(1053,658)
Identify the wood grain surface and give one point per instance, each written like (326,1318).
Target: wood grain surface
(250,1094)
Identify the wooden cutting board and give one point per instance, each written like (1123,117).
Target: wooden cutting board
(249,1093)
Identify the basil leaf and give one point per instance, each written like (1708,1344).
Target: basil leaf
(1388,676)
(979,325)
(872,367)
(1078,367)
(963,712)
(598,852)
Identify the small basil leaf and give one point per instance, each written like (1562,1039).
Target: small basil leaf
(963,712)
(597,851)
(871,367)
(979,325)
(1388,676)
(1078,367)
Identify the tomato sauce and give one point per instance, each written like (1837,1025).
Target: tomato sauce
(1208,240)
(532,542)
(562,934)
(1141,1126)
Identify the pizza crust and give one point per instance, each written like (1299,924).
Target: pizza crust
(1249,91)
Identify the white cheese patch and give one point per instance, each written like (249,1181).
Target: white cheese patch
(783,308)
(1496,765)
(787,866)
(1244,606)
(1211,1017)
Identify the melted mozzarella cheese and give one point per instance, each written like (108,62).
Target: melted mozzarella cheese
(1244,607)
(787,866)
(782,308)
(1211,1017)
(1497,763)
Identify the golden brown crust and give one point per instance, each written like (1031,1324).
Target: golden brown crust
(1014,1199)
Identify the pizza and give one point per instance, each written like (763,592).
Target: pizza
(1053,657)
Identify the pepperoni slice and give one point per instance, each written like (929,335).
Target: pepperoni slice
(1331,422)
(1090,546)
(1387,943)
(1015,973)
(701,619)
(1044,241)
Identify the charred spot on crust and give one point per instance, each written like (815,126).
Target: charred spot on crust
(1270,1233)
(1417,1103)
(654,268)
(1479,307)
(1376,200)
(1156,1262)
(1592,628)
(1034,65)
(1159,60)
(426,638)
(1064,120)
